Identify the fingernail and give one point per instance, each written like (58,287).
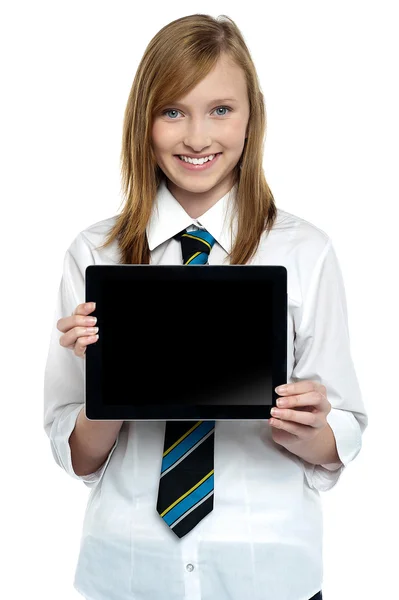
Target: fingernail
(281,388)
(91,305)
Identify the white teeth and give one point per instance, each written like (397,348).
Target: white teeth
(197,161)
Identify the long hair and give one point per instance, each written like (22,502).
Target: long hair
(179,56)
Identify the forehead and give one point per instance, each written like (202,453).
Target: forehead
(226,82)
(206,102)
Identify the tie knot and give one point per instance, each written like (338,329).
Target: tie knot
(195,245)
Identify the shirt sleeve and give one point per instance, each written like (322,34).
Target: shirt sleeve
(64,377)
(322,354)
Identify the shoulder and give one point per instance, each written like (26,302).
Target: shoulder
(85,246)
(298,245)
(296,232)
(305,244)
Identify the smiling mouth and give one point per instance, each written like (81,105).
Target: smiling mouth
(192,157)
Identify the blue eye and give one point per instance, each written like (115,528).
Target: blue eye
(175,110)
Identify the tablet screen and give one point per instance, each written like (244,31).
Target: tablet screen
(185,345)
(202,343)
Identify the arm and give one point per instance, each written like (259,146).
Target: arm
(320,450)
(75,441)
(322,353)
(91,442)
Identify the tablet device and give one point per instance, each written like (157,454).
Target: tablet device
(207,342)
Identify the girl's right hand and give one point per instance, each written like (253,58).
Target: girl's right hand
(77,329)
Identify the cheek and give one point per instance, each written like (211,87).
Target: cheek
(233,139)
(237,133)
(162,137)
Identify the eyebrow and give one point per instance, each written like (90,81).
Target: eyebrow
(217,101)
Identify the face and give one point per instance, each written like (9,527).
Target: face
(211,119)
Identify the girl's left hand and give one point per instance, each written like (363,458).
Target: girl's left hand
(302,415)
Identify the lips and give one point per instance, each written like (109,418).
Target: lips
(192,167)
(214,154)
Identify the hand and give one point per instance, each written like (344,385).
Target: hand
(77,329)
(303,415)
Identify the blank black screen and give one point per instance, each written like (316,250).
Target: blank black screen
(197,342)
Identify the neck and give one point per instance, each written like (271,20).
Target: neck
(197,203)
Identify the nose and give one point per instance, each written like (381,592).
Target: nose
(198,136)
(198,142)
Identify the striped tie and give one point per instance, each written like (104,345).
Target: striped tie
(195,246)
(185,494)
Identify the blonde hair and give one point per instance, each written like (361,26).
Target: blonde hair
(179,56)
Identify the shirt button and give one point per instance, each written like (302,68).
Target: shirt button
(189,567)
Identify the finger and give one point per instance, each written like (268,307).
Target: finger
(313,398)
(300,387)
(84,309)
(71,337)
(82,343)
(301,431)
(295,416)
(81,312)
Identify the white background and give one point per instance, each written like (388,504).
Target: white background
(329,74)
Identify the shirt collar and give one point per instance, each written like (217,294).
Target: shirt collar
(169,217)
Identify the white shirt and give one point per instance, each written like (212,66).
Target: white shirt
(263,539)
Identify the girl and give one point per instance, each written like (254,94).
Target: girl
(196,94)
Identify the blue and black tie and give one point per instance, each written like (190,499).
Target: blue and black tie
(185,494)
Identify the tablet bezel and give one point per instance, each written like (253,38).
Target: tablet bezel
(95,275)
